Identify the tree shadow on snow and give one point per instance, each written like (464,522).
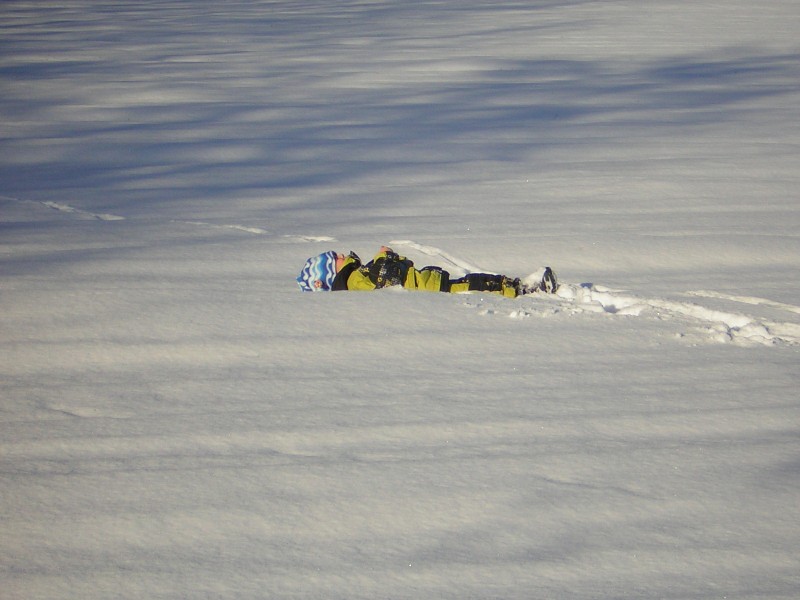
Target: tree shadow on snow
(240,107)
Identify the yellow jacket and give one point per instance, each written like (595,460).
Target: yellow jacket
(388,268)
(355,276)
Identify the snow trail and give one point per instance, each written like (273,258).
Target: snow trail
(721,325)
(715,325)
(441,255)
(754,300)
(244,228)
(68,209)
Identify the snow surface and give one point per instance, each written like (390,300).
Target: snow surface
(179,421)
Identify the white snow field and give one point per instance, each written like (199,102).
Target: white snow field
(178,420)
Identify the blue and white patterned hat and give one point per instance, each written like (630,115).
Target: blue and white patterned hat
(318,273)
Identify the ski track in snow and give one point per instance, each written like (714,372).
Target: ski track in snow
(84,214)
(257,231)
(713,325)
(246,229)
(311,238)
(66,208)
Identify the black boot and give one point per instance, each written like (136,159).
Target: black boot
(549,283)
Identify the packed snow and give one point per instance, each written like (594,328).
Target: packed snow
(178,420)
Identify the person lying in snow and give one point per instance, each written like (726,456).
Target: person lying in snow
(331,271)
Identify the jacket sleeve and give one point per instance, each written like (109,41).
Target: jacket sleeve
(351,277)
(359,281)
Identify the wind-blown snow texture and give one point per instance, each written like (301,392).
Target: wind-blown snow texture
(179,421)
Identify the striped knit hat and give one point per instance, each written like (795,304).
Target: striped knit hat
(318,273)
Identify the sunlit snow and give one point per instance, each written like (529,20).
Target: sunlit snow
(178,420)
